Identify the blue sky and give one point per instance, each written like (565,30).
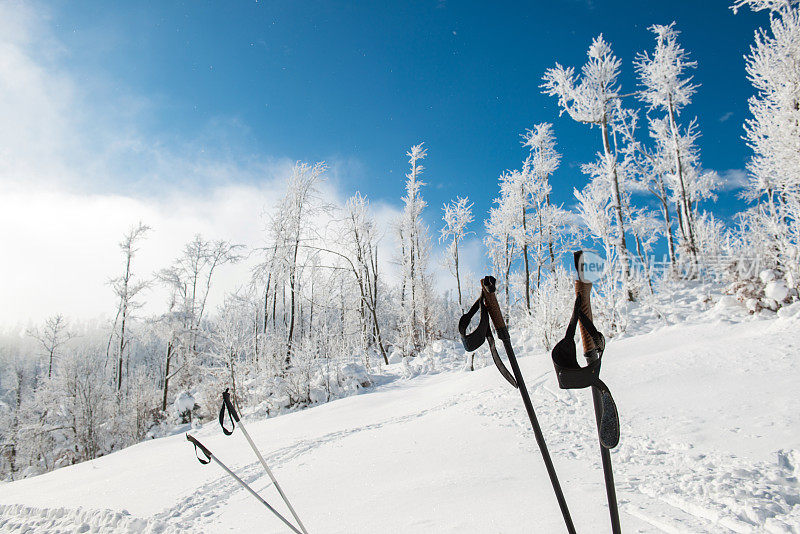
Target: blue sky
(359,82)
(188,115)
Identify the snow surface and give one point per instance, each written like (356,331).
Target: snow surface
(710,443)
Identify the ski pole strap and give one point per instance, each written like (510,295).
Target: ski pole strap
(572,376)
(233,417)
(483,332)
(198,445)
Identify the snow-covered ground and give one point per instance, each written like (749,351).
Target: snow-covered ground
(710,443)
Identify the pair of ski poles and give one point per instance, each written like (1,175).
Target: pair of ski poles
(489,308)
(227,405)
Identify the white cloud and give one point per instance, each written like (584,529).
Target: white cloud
(60,248)
(726,116)
(733,179)
(74,179)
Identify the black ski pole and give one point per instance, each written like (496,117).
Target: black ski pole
(488,286)
(209,457)
(591,353)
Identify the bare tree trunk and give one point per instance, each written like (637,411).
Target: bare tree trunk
(274,307)
(458,278)
(374,307)
(640,253)
(622,248)
(525,255)
(293,289)
(679,170)
(539,248)
(663,198)
(507,274)
(166,377)
(311,310)
(266,303)
(121,348)
(550,239)
(255,333)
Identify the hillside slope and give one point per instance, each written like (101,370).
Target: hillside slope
(710,443)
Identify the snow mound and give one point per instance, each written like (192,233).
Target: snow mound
(395,357)
(727,302)
(776,290)
(768,275)
(184,402)
(792,310)
(20,518)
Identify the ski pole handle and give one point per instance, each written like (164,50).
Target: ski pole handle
(488,287)
(232,415)
(198,445)
(583,290)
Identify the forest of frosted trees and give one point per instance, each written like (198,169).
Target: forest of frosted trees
(320,315)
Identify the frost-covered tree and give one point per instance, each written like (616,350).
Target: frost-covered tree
(773,133)
(126,288)
(361,240)
(51,337)
(414,253)
(457,216)
(189,282)
(293,219)
(549,228)
(656,169)
(594,98)
(667,87)
(355,250)
(553,297)
(230,340)
(16,380)
(500,244)
(525,229)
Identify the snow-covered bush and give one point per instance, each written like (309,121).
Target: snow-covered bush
(184,406)
(552,307)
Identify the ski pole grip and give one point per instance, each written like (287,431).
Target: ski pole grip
(232,415)
(488,287)
(226,396)
(584,291)
(198,445)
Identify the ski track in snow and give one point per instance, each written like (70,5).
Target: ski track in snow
(708,492)
(672,486)
(202,504)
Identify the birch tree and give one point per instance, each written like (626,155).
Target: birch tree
(457,216)
(499,240)
(292,220)
(550,222)
(593,98)
(51,337)
(189,281)
(414,252)
(362,241)
(126,287)
(773,132)
(668,88)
